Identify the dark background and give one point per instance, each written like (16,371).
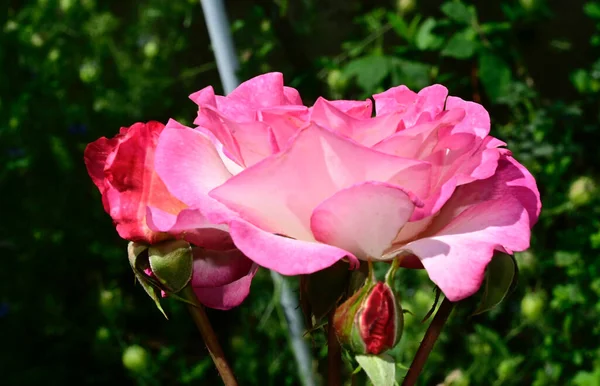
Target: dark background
(72,71)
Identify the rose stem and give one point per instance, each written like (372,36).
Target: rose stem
(433,332)
(208,335)
(334,355)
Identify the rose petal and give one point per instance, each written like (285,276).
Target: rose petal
(415,108)
(255,140)
(130,182)
(483,163)
(235,119)
(455,259)
(228,159)
(355,109)
(477,119)
(204,97)
(292,96)
(364,131)
(221,280)
(481,217)
(189,164)
(228,296)
(363,219)
(209,119)
(418,141)
(511,179)
(192,226)
(241,104)
(95,156)
(261,91)
(280,193)
(325,114)
(435,201)
(284,121)
(217,268)
(282,254)
(395,99)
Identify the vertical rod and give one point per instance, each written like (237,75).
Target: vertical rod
(295,329)
(227,63)
(222,42)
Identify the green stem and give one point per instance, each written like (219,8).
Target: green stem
(208,335)
(431,336)
(334,355)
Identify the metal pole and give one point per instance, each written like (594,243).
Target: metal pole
(295,330)
(227,63)
(222,42)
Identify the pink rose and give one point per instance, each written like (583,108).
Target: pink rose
(255,120)
(123,170)
(422,178)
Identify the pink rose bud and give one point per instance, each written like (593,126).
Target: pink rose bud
(371,321)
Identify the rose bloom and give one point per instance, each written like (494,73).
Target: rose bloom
(301,188)
(123,170)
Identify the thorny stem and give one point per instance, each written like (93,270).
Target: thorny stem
(208,335)
(334,355)
(433,332)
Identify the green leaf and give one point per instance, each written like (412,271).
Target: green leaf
(495,75)
(369,71)
(398,24)
(460,46)
(458,12)
(171,262)
(425,38)
(492,27)
(414,75)
(381,369)
(61,153)
(139,261)
(580,79)
(501,273)
(592,9)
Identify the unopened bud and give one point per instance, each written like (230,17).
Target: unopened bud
(371,321)
(171,263)
(163,268)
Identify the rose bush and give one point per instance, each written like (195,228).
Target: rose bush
(123,170)
(301,188)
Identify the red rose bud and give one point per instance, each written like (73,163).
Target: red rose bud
(371,321)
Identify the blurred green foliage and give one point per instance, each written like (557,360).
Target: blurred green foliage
(75,70)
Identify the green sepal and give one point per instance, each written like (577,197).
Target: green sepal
(391,273)
(184,300)
(171,262)
(501,276)
(438,292)
(381,369)
(389,280)
(344,319)
(138,259)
